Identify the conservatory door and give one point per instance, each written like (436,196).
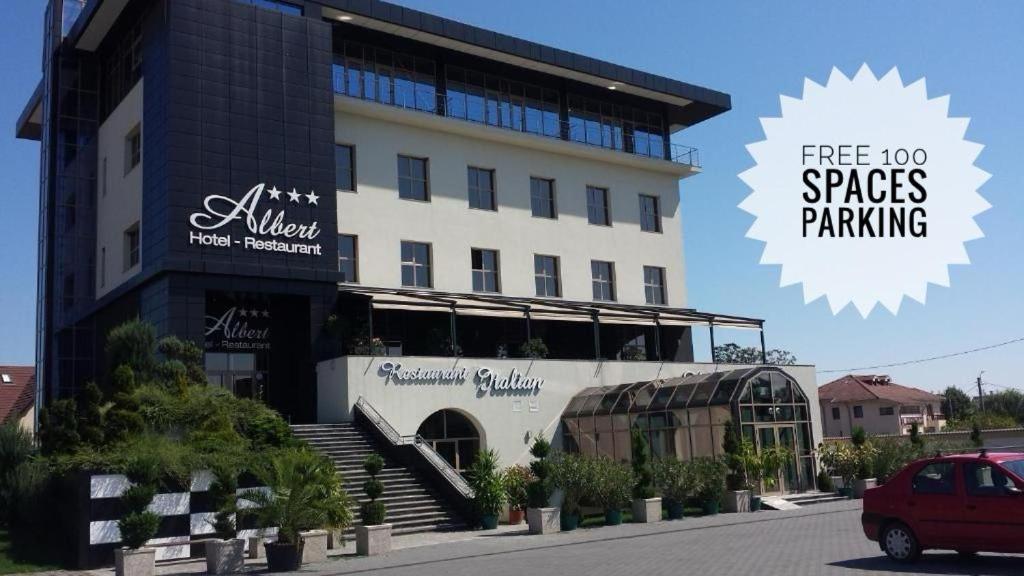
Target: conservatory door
(787,478)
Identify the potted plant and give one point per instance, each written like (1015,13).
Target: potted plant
(226,553)
(488,488)
(541,517)
(304,492)
(766,465)
(611,487)
(841,459)
(864,453)
(711,474)
(534,348)
(571,475)
(517,478)
(738,494)
(677,482)
(373,536)
(646,508)
(137,526)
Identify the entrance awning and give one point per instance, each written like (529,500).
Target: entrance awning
(499,306)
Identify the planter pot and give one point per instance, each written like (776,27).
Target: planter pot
(128,562)
(837,482)
(516,517)
(710,507)
(613,517)
(543,520)
(846,491)
(569,522)
(283,557)
(314,546)
(675,510)
(373,540)
(736,501)
(489,521)
(859,486)
(647,510)
(225,556)
(755,503)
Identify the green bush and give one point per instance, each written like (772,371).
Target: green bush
(488,484)
(373,464)
(611,483)
(643,475)
(825,482)
(571,474)
(90,414)
(131,344)
(15,451)
(223,495)
(534,348)
(710,474)
(137,528)
(676,479)
(517,480)
(58,427)
(373,488)
(137,497)
(373,513)
(538,492)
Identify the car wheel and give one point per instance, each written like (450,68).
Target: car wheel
(899,543)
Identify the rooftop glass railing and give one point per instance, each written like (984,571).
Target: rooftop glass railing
(518,115)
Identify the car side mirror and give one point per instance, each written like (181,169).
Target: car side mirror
(1014,491)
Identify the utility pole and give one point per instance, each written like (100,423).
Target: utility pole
(981,395)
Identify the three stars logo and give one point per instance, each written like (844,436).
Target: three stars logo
(293,196)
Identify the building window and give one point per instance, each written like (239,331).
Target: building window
(542,198)
(603,279)
(835,413)
(858,411)
(597,206)
(886,411)
(348,257)
(654,285)
(413,178)
(416,265)
(70,212)
(345,168)
(650,214)
(131,246)
(481,189)
(275,5)
(545,274)
(380,75)
(132,149)
(486,275)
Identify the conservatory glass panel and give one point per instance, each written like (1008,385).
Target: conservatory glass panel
(761,388)
(702,442)
(723,394)
(661,397)
(682,396)
(781,392)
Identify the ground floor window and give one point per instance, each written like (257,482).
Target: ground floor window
(453,436)
(237,372)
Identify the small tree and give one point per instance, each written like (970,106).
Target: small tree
(643,475)
(90,414)
(517,481)
(223,493)
(488,487)
(138,524)
(915,437)
(534,348)
(738,472)
(976,438)
(58,427)
(539,490)
(373,512)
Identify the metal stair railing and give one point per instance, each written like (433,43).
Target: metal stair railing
(421,444)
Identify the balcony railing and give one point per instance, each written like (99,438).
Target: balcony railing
(519,117)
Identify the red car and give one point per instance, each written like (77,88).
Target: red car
(965,502)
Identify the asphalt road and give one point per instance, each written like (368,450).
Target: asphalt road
(818,540)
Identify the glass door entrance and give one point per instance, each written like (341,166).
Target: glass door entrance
(788,477)
(237,372)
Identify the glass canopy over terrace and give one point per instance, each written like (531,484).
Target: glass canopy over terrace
(686,417)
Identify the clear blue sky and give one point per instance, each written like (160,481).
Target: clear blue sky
(754,51)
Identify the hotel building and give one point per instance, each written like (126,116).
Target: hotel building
(364,211)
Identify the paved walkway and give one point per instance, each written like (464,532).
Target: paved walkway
(818,540)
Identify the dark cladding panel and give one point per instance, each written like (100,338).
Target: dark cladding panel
(247,99)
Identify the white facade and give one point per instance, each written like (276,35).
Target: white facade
(506,420)
(880,417)
(119,193)
(381,220)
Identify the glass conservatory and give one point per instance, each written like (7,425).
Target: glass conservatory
(686,418)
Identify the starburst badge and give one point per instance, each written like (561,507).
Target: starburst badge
(864,191)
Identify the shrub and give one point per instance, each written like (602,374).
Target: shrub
(710,474)
(676,479)
(570,473)
(15,451)
(373,512)
(58,427)
(611,483)
(488,484)
(890,455)
(223,495)
(131,344)
(137,528)
(643,476)
(138,524)
(539,490)
(90,414)
(517,479)
(825,481)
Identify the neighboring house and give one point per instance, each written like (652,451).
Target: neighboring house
(876,404)
(17,395)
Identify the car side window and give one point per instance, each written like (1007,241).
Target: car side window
(984,479)
(935,478)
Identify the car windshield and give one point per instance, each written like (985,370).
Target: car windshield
(1015,466)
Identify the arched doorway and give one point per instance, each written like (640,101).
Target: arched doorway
(453,435)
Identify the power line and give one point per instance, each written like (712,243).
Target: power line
(928,359)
